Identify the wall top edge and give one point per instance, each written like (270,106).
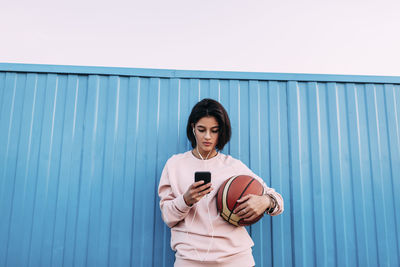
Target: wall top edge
(192,74)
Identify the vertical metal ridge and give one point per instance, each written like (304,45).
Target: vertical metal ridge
(239,120)
(382,191)
(126,186)
(279,110)
(75,107)
(51,152)
(398,146)
(254,144)
(116,122)
(79,189)
(86,183)
(298,109)
(141,172)
(14,174)
(396,112)
(257,86)
(155,207)
(392,184)
(375,128)
(70,158)
(351,176)
(158,110)
(312,164)
(318,108)
(168,92)
(53,114)
(356,170)
(290,152)
(279,117)
(6,226)
(371,167)
(10,123)
(179,110)
(331,86)
(268,111)
(397,128)
(259,123)
(138,106)
(136,84)
(3,78)
(30,130)
(300,147)
(318,165)
(24,172)
(146,140)
(37,178)
(135,147)
(392,191)
(219,90)
(59,163)
(319,146)
(96,112)
(341,174)
(92,189)
(110,88)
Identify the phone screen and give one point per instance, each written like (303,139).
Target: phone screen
(205,176)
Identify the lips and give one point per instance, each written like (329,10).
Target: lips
(207,143)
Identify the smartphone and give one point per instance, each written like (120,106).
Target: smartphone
(205,176)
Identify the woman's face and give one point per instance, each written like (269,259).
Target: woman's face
(206,130)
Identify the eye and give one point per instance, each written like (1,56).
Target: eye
(215,131)
(201,130)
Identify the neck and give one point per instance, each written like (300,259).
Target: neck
(204,155)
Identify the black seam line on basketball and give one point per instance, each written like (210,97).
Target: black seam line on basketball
(227,216)
(234,206)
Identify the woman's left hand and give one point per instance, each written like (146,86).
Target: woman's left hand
(251,206)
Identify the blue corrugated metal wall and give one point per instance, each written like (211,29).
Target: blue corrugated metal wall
(82,149)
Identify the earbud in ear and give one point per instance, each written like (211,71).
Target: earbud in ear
(193,132)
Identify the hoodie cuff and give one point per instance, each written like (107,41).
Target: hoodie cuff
(181,205)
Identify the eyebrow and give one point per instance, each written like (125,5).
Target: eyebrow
(201,126)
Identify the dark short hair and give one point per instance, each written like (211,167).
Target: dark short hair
(206,108)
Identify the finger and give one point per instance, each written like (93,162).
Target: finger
(198,183)
(205,192)
(203,187)
(240,208)
(209,190)
(251,218)
(245,213)
(197,196)
(243,199)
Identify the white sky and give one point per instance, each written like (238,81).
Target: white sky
(304,36)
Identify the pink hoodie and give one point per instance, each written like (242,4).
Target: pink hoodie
(199,235)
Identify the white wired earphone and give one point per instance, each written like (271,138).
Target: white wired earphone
(208,208)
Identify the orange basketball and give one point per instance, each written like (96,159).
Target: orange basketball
(233,189)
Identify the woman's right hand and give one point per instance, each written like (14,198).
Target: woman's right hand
(195,192)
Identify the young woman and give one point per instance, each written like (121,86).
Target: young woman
(199,236)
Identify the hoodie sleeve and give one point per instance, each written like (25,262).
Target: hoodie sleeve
(243,169)
(173,207)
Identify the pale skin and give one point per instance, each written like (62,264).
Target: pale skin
(206,132)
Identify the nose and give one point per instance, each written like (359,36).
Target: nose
(208,135)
